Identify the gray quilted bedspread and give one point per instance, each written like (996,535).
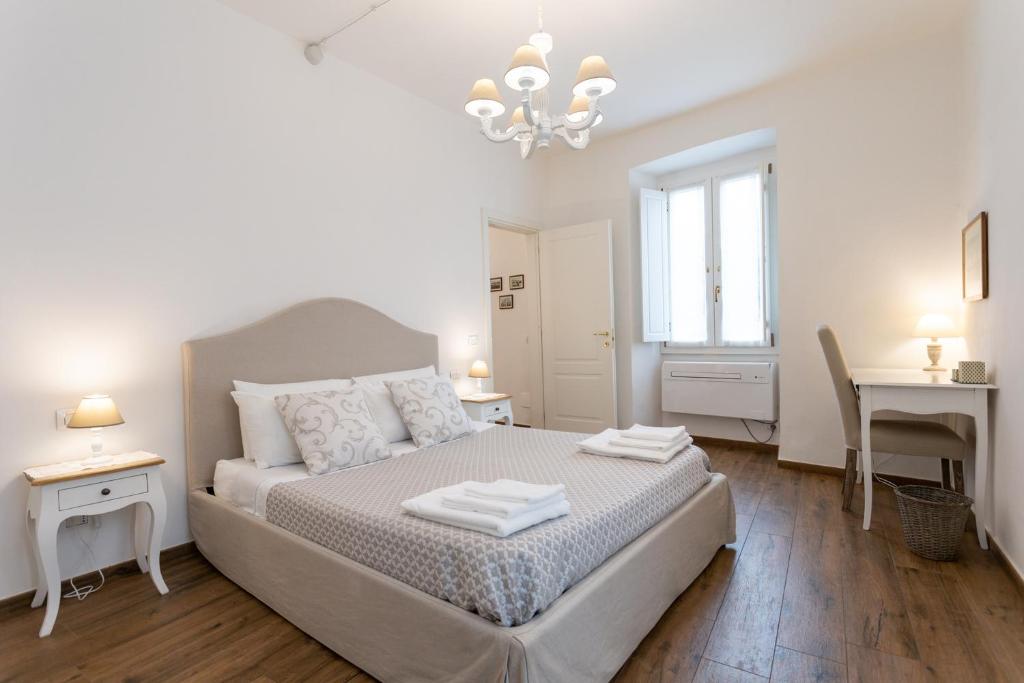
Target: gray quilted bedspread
(356,513)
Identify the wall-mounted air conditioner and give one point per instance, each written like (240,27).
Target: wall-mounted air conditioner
(741,389)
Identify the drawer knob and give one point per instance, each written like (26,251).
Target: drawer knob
(105,492)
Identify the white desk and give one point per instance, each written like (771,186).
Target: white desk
(926,393)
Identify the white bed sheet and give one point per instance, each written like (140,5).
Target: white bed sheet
(241,483)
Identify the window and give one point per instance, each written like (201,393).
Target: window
(714,286)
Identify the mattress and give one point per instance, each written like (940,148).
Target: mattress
(246,486)
(357,514)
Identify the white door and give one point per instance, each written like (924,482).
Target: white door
(577,327)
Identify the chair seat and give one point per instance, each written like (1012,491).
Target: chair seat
(911,437)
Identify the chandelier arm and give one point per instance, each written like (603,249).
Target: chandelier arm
(528,115)
(592,113)
(579,142)
(494,136)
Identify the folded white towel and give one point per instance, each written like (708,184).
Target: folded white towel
(639,431)
(429,506)
(599,444)
(513,491)
(494,506)
(662,446)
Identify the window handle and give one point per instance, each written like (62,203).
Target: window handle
(718,292)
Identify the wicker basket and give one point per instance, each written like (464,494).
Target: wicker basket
(933,520)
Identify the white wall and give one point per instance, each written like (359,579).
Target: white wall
(511,328)
(871,178)
(172,169)
(996,325)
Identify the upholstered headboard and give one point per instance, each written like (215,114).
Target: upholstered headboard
(319,339)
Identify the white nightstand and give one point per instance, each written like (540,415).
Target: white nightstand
(488,407)
(67,489)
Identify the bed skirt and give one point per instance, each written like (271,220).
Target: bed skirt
(398,633)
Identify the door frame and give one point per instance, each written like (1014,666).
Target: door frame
(502,221)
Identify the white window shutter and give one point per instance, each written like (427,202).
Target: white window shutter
(654,259)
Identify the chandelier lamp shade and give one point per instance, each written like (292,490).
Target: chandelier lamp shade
(531,123)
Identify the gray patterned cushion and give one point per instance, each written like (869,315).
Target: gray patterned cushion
(333,429)
(430,409)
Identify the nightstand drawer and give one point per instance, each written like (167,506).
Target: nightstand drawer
(87,494)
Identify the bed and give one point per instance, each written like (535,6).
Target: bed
(388,627)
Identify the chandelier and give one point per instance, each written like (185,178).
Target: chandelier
(531,124)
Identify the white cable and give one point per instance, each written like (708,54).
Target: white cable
(373,8)
(82,592)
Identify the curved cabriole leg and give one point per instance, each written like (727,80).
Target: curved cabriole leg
(46,540)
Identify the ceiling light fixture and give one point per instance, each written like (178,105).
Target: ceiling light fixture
(315,51)
(531,125)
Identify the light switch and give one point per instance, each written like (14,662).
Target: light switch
(473,340)
(62,416)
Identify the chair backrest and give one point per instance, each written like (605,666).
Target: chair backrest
(849,407)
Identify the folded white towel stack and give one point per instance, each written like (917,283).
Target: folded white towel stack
(498,508)
(616,444)
(645,433)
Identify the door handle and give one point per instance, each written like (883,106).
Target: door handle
(718,292)
(603,333)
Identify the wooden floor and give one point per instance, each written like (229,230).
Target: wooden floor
(803,595)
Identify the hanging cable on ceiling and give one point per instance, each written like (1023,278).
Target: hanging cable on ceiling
(315,51)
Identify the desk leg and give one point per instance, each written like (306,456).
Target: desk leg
(981,461)
(41,588)
(158,511)
(865,452)
(140,529)
(46,542)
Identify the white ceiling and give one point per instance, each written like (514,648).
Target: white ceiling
(667,55)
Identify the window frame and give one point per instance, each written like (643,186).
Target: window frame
(711,175)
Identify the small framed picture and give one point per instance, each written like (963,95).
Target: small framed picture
(974,258)
(516,281)
(504,302)
(496,285)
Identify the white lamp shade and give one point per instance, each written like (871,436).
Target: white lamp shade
(935,325)
(579,109)
(95,410)
(527,69)
(479,370)
(594,74)
(484,99)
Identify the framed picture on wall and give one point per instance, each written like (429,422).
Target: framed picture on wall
(516,281)
(974,258)
(496,285)
(504,302)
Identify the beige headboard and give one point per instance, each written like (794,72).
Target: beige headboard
(319,339)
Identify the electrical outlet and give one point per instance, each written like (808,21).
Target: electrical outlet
(455,375)
(62,416)
(77,520)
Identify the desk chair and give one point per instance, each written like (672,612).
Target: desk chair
(903,437)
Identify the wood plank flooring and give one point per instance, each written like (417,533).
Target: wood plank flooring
(802,595)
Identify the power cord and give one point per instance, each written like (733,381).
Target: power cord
(82,592)
(771,425)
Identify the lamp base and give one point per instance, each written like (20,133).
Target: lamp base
(934,354)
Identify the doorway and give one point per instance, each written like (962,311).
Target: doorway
(516,351)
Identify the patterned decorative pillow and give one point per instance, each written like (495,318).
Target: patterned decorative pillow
(333,429)
(430,409)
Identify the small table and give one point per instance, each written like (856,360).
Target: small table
(926,393)
(488,407)
(69,489)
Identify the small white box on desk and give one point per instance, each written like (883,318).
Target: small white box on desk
(729,389)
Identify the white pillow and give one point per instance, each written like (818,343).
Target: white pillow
(382,406)
(431,410)
(265,439)
(333,429)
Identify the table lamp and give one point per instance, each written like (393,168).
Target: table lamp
(95,412)
(481,372)
(933,326)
